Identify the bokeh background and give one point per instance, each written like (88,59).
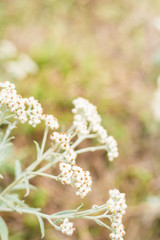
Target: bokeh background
(108,52)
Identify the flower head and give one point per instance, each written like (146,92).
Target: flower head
(67,227)
(87,119)
(117,206)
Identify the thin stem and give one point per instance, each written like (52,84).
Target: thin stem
(80,139)
(43,174)
(41,156)
(77,142)
(73,135)
(9,187)
(8,203)
(71,129)
(91,149)
(44,140)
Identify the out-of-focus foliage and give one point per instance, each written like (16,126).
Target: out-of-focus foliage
(107,51)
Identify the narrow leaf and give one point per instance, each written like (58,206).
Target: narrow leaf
(99,222)
(21,186)
(41,223)
(27,186)
(3,229)
(37,147)
(18,169)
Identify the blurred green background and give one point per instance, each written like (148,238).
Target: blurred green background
(108,52)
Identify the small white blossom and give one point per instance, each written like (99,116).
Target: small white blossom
(25,109)
(29,66)
(7,49)
(86,120)
(156,23)
(66,172)
(156,102)
(117,206)
(71,156)
(21,67)
(112,148)
(62,139)
(51,121)
(67,227)
(85,116)
(77,176)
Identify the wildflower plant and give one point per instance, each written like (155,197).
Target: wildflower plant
(15,110)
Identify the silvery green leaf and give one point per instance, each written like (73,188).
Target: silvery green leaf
(37,147)
(6,151)
(22,186)
(10,138)
(27,185)
(79,207)
(14,198)
(3,229)
(102,223)
(9,116)
(18,169)
(58,221)
(34,210)
(6,122)
(41,223)
(99,222)
(64,212)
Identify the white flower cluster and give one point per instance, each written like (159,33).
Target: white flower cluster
(16,65)
(86,120)
(25,109)
(112,148)
(71,156)
(156,23)
(61,139)
(156,102)
(20,68)
(67,227)
(75,175)
(7,49)
(70,172)
(117,206)
(50,121)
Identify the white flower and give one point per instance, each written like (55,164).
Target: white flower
(27,64)
(156,23)
(21,67)
(15,70)
(7,49)
(117,206)
(77,176)
(66,172)
(25,109)
(71,156)
(62,139)
(67,227)
(85,116)
(86,120)
(155,104)
(101,134)
(112,148)
(51,121)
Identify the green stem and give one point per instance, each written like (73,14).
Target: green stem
(91,149)
(41,156)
